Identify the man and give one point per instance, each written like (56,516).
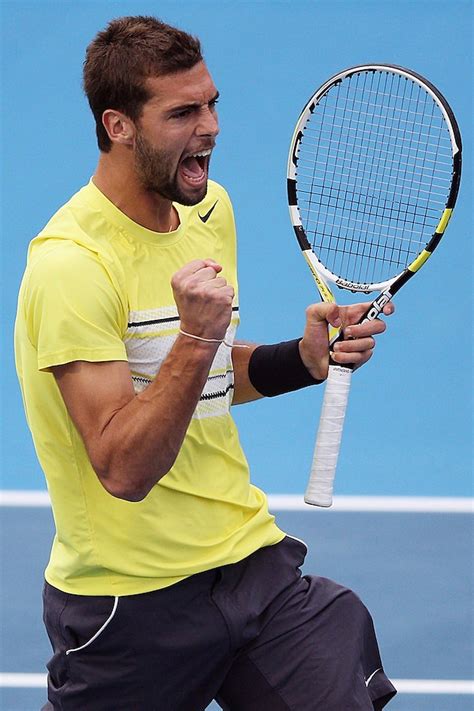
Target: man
(169,583)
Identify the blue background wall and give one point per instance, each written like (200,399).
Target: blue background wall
(266,59)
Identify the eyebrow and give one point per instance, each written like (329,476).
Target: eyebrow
(193,104)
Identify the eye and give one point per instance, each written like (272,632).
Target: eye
(213,103)
(181,114)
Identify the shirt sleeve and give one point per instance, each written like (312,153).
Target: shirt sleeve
(72,308)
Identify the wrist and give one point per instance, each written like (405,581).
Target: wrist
(317,372)
(279,368)
(197,345)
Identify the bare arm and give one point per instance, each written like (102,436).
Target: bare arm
(243,388)
(133,441)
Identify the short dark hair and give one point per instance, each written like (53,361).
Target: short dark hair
(120,59)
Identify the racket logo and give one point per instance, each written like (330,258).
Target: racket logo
(377,306)
(353,286)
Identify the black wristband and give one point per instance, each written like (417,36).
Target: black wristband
(278,369)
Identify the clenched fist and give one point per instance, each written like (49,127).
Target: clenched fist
(203,298)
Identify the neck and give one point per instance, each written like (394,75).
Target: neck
(116,179)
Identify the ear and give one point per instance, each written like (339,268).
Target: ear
(119,127)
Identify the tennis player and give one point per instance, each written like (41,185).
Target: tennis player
(169,583)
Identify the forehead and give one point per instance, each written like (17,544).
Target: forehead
(193,85)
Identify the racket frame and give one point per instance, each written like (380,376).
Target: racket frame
(319,491)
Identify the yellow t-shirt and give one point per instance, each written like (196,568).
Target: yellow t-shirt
(97,288)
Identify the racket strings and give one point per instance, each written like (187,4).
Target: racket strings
(435,167)
(358,252)
(374,171)
(332,245)
(378,167)
(387,117)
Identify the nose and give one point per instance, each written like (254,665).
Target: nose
(208,122)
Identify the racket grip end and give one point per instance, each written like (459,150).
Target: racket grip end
(322,503)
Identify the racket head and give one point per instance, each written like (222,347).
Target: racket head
(373,176)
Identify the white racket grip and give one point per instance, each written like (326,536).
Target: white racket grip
(328,440)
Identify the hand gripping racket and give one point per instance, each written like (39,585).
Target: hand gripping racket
(373,175)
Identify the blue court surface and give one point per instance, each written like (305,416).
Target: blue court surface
(413,570)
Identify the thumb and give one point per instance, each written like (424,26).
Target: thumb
(314,346)
(211,263)
(323,314)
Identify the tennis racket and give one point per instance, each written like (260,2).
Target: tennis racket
(373,175)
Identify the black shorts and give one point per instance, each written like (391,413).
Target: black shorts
(255,636)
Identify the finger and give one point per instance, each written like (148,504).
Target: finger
(362,330)
(219,287)
(199,264)
(355,312)
(358,345)
(205,274)
(354,359)
(224,295)
(211,263)
(229,294)
(215,283)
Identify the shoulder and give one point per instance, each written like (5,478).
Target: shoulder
(50,257)
(81,221)
(60,271)
(75,243)
(65,220)
(67,290)
(217,202)
(216,192)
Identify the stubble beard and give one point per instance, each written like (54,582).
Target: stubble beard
(154,168)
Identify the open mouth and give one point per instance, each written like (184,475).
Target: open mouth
(194,167)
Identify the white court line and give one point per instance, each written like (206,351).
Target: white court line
(419,504)
(434,686)
(294,502)
(12,680)
(404,686)
(24,498)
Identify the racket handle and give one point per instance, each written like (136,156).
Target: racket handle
(328,441)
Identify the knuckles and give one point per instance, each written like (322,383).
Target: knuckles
(312,311)
(201,288)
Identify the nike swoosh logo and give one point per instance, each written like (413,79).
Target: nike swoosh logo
(204,218)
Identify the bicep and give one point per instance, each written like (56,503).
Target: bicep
(93,393)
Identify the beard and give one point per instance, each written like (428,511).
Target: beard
(157,174)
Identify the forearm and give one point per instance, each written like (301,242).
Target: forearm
(140,442)
(243,388)
(269,370)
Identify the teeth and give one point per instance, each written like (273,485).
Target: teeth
(202,154)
